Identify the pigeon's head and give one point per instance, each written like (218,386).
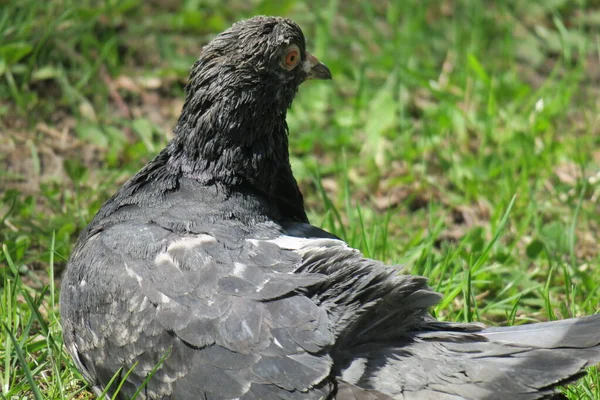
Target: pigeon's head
(269,50)
(256,65)
(232,127)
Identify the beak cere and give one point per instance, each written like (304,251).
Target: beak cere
(315,69)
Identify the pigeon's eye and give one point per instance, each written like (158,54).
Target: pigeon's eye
(292,58)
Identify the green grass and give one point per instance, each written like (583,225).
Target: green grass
(459,139)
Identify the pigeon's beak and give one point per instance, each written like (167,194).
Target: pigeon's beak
(315,69)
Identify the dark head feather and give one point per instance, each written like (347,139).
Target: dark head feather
(240,71)
(232,128)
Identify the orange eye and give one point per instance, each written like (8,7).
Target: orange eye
(292,58)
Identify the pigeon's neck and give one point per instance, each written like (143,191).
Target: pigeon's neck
(241,145)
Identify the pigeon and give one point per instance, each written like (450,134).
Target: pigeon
(202,278)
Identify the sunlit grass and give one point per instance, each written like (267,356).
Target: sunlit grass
(458,140)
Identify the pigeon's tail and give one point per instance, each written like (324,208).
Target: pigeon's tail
(388,347)
(517,363)
(575,337)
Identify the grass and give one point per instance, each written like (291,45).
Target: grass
(459,139)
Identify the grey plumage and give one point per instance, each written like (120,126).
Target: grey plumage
(206,258)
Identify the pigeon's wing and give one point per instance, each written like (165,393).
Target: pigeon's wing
(222,318)
(387,343)
(270,316)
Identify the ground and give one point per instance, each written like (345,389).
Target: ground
(460,139)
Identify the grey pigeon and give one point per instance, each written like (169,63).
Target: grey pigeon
(201,278)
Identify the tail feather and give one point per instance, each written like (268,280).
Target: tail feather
(388,345)
(574,333)
(524,362)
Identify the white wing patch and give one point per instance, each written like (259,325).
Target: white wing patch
(164,299)
(355,371)
(288,242)
(239,269)
(190,243)
(133,274)
(165,258)
(185,244)
(305,245)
